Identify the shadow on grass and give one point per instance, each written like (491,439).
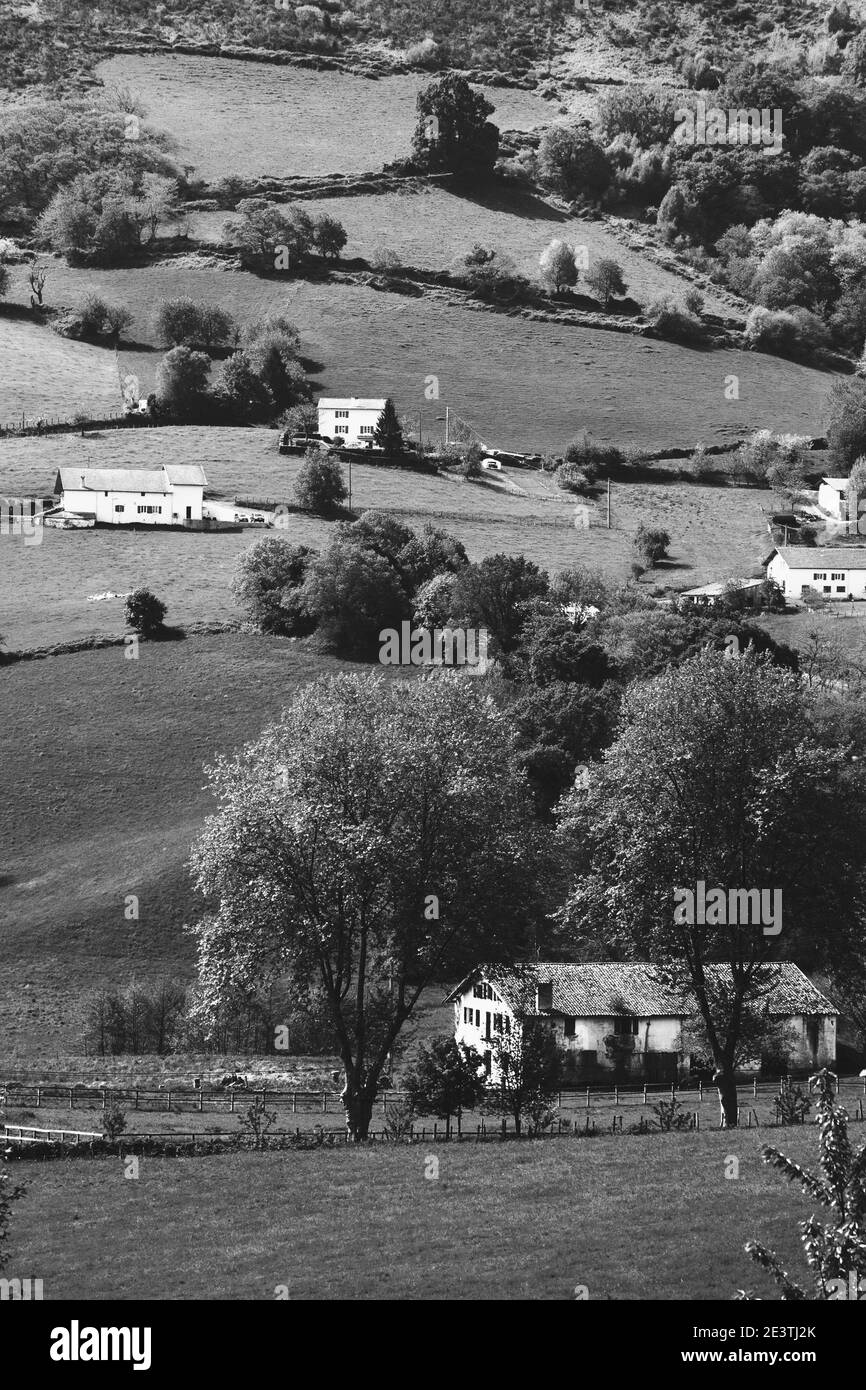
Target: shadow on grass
(501,198)
(165,634)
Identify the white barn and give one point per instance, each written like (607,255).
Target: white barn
(836,572)
(625,1019)
(166,496)
(352,418)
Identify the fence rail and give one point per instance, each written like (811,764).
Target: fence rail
(230,1100)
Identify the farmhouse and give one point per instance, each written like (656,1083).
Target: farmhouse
(626,1020)
(833,497)
(353,417)
(166,496)
(836,572)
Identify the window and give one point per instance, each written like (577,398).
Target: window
(341,414)
(477,1018)
(119,507)
(827,588)
(149,510)
(105,494)
(841,575)
(625,1024)
(341,429)
(816,575)
(497,1023)
(840,588)
(569,1027)
(468,1015)
(367,429)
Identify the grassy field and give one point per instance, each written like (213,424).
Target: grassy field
(51,585)
(432,227)
(252,119)
(628,1218)
(523,384)
(103,792)
(43,374)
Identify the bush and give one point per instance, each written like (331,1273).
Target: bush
(329,236)
(319,486)
(113,1123)
(572,162)
(144,612)
(794,332)
(591,456)
(846,426)
(94,318)
(643,112)
(106,217)
(671,320)
(572,478)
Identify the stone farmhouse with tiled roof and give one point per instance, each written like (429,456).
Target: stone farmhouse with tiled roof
(626,1019)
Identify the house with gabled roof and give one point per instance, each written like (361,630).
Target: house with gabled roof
(168,496)
(835,572)
(627,1019)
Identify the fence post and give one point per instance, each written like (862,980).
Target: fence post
(103,1097)
(324,1103)
(168,1110)
(201,1097)
(754,1088)
(294,1101)
(616,1095)
(71,1098)
(384,1102)
(701,1091)
(644,1093)
(38,1097)
(232,1101)
(587,1097)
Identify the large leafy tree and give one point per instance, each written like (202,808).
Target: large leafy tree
(717,775)
(494,594)
(453,133)
(375,840)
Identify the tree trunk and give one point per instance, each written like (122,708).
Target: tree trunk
(358,1104)
(726,1082)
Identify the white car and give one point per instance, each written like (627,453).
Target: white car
(492,463)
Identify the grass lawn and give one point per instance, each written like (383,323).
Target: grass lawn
(252,119)
(45,375)
(629,1218)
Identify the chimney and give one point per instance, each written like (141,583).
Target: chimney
(543,997)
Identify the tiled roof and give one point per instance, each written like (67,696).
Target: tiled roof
(808,557)
(113,479)
(603,989)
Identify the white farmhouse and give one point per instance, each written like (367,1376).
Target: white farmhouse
(625,1020)
(833,497)
(166,496)
(352,418)
(837,572)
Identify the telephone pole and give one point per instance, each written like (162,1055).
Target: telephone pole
(608,504)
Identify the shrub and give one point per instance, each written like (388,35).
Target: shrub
(424,54)
(145,612)
(113,1122)
(106,217)
(319,486)
(572,478)
(94,318)
(644,112)
(572,162)
(789,331)
(671,320)
(591,456)
(329,237)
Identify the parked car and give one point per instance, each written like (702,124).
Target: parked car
(491,463)
(257,516)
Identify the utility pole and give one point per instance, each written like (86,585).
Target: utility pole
(447,418)
(350,482)
(608,504)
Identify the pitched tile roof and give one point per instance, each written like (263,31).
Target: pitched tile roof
(603,989)
(816,557)
(112,479)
